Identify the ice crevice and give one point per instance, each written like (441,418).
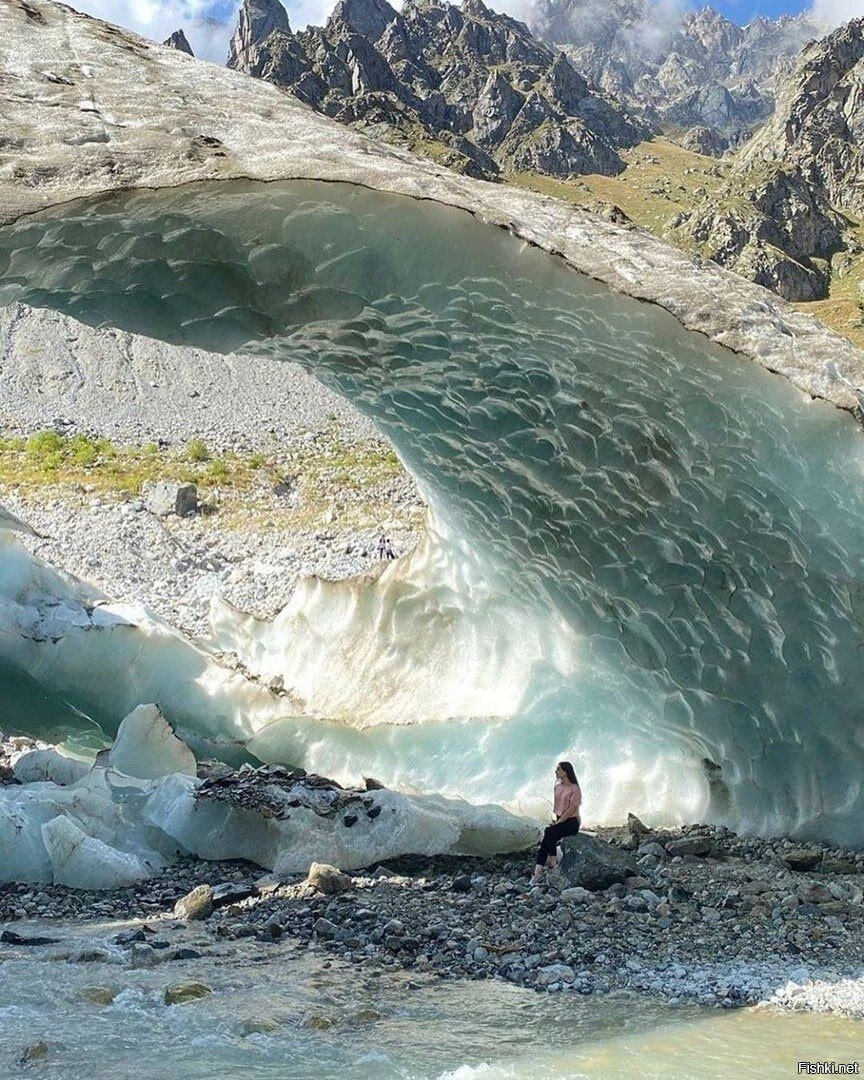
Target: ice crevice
(643,551)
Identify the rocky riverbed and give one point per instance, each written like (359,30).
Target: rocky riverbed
(707,917)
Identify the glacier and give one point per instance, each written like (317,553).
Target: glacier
(109,826)
(643,551)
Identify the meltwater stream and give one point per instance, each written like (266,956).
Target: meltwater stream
(644,552)
(279,1013)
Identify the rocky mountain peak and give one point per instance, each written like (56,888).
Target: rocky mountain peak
(473,86)
(818,125)
(178,41)
(780,218)
(256,22)
(627,47)
(366,17)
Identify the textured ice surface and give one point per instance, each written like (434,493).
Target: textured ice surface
(645,553)
(84,862)
(108,829)
(419,824)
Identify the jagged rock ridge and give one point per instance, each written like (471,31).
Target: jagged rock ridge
(780,218)
(473,88)
(699,71)
(179,42)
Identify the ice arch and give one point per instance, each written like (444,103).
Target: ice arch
(644,551)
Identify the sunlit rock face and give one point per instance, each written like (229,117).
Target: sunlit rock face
(644,552)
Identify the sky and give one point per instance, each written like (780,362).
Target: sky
(156,19)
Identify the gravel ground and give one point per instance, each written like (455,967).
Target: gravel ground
(57,374)
(716,930)
(176,565)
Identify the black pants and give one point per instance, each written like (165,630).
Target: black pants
(552,834)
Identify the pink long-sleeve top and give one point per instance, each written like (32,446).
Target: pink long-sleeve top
(568,799)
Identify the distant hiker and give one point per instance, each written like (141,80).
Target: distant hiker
(567,802)
(385,548)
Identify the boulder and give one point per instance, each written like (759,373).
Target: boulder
(197,904)
(637,831)
(327,879)
(167,497)
(690,845)
(592,864)
(803,859)
(839,865)
(183,992)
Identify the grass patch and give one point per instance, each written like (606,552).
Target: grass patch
(660,180)
(50,459)
(331,483)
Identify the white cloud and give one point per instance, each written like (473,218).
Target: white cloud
(831,13)
(157,19)
(208,24)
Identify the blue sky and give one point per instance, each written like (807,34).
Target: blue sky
(742,11)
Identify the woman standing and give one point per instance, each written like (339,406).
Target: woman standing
(568,800)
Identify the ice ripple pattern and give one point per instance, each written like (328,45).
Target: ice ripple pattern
(673,537)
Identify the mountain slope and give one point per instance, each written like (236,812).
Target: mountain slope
(787,213)
(697,70)
(469,87)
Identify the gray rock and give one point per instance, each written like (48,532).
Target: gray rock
(178,41)
(327,879)
(803,859)
(197,904)
(168,497)
(555,973)
(594,865)
(690,845)
(484,80)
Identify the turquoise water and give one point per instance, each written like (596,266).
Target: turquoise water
(645,552)
(279,1013)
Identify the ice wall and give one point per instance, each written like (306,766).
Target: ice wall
(644,552)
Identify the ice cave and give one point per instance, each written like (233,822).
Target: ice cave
(643,551)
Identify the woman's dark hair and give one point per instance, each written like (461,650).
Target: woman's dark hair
(569,771)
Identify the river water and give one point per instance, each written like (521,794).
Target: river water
(282,1012)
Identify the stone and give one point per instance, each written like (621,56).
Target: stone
(576,895)
(10,937)
(461,883)
(803,859)
(593,864)
(816,894)
(230,892)
(181,993)
(195,905)
(555,973)
(689,845)
(35,1052)
(325,928)
(637,831)
(838,865)
(651,847)
(99,995)
(168,497)
(178,41)
(327,879)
